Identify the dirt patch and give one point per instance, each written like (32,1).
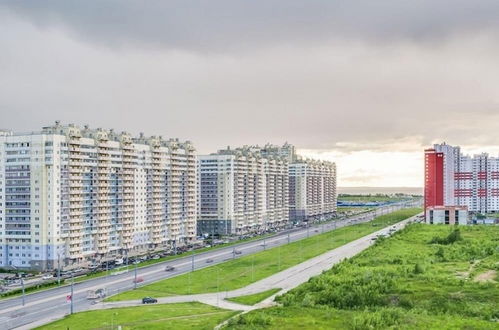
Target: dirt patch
(488,276)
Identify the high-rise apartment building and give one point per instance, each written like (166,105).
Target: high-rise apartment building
(312,190)
(454,179)
(251,188)
(73,195)
(312,185)
(241,191)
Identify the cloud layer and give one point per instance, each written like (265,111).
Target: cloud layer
(373,80)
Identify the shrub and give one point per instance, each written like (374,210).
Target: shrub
(453,237)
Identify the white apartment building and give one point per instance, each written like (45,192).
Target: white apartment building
(241,191)
(76,195)
(471,181)
(312,185)
(312,190)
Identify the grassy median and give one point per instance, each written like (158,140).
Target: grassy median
(240,272)
(171,316)
(253,299)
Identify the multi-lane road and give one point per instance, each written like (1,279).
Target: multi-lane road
(53,303)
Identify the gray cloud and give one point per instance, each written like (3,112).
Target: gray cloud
(330,75)
(224,24)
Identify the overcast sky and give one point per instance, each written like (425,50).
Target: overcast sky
(365,83)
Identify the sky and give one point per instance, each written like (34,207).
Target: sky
(367,84)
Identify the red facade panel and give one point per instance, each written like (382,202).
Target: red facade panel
(434,178)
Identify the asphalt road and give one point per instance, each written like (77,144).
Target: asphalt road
(52,302)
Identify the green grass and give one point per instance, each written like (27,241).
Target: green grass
(370,198)
(253,299)
(240,272)
(403,282)
(168,316)
(299,318)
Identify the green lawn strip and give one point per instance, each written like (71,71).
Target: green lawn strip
(371,198)
(240,272)
(253,299)
(165,316)
(403,282)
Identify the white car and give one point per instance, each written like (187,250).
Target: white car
(47,277)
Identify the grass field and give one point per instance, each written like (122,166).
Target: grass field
(370,198)
(424,277)
(240,272)
(253,299)
(171,316)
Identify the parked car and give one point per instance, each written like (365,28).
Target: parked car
(156,257)
(169,268)
(149,300)
(209,261)
(47,277)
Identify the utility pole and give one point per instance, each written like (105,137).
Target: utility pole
(288,237)
(22,285)
(58,269)
(135,277)
(308,230)
(234,253)
(72,292)
(192,263)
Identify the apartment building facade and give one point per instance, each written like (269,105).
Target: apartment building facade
(455,179)
(241,191)
(75,195)
(312,190)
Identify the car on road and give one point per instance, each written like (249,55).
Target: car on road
(209,261)
(138,280)
(238,252)
(47,277)
(149,300)
(169,268)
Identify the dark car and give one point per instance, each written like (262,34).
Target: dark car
(209,260)
(149,300)
(238,252)
(169,268)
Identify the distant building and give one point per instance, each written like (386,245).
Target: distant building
(448,215)
(312,185)
(241,191)
(81,195)
(452,178)
(312,190)
(254,188)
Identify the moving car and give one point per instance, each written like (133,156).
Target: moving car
(138,280)
(209,260)
(149,300)
(238,252)
(169,268)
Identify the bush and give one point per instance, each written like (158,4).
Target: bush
(381,319)
(453,237)
(418,269)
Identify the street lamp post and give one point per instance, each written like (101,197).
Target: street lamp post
(72,292)
(22,285)
(135,277)
(58,269)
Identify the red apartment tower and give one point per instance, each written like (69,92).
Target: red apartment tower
(434,178)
